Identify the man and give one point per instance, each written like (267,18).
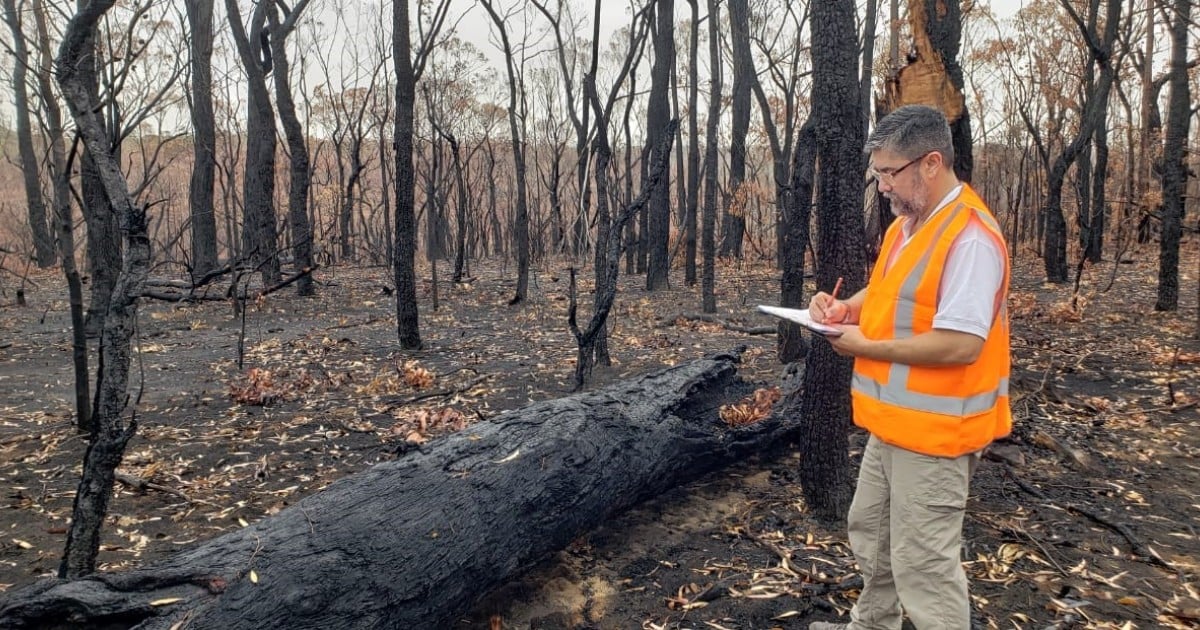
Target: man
(929,337)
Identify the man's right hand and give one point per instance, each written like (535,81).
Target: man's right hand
(826,310)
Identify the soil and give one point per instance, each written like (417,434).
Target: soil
(1086,516)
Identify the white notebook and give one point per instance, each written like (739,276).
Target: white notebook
(800,316)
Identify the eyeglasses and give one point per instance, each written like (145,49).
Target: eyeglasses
(888,175)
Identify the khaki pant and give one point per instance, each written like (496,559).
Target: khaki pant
(906,533)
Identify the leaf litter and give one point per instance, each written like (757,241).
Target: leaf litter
(1088,519)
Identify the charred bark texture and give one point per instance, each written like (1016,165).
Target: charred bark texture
(825,404)
(407,320)
(658,112)
(734,224)
(111,431)
(414,542)
(260,238)
(708,221)
(797,216)
(1175,174)
(298,185)
(200,189)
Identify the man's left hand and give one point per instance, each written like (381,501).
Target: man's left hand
(851,343)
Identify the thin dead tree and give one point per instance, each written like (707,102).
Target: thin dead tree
(112,430)
(593,341)
(43,242)
(515,126)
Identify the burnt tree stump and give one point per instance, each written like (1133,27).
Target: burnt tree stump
(413,543)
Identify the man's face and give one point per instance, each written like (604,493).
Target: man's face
(900,180)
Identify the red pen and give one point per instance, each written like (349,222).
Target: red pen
(833,297)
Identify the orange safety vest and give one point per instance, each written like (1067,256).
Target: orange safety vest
(944,411)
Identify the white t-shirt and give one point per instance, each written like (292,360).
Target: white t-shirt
(971,278)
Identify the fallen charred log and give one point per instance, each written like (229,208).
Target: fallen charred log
(414,542)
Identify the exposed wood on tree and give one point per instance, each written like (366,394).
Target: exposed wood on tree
(932,75)
(414,542)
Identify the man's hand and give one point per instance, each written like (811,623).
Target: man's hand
(824,309)
(851,343)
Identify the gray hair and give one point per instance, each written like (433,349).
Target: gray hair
(912,131)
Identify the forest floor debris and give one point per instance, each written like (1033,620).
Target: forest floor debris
(1086,517)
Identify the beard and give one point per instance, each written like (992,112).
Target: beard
(912,206)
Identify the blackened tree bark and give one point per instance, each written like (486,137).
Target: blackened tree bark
(415,542)
(515,126)
(407,320)
(112,433)
(693,151)
(204,144)
(1100,47)
(1174,180)
(734,224)
(658,112)
(260,238)
(825,404)
(301,230)
(585,338)
(1091,231)
(43,242)
(593,342)
(786,74)
(103,236)
(797,216)
(708,229)
(60,177)
(460,209)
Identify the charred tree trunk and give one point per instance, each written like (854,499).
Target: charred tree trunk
(1175,174)
(60,175)
(521,228)
(797,216)
(298,184)
(658,112)
(693,153)
(111,433)
(260,238)
(825,404)
(734,225)
(606,292)
(103,236)
(43,242)
(1095,109)
(204,148)
(934,77)
(708,229)
(407,320)
(415,542)
(1093,242)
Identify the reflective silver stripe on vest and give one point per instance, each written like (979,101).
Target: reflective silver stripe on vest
(895,393)
(906,305)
